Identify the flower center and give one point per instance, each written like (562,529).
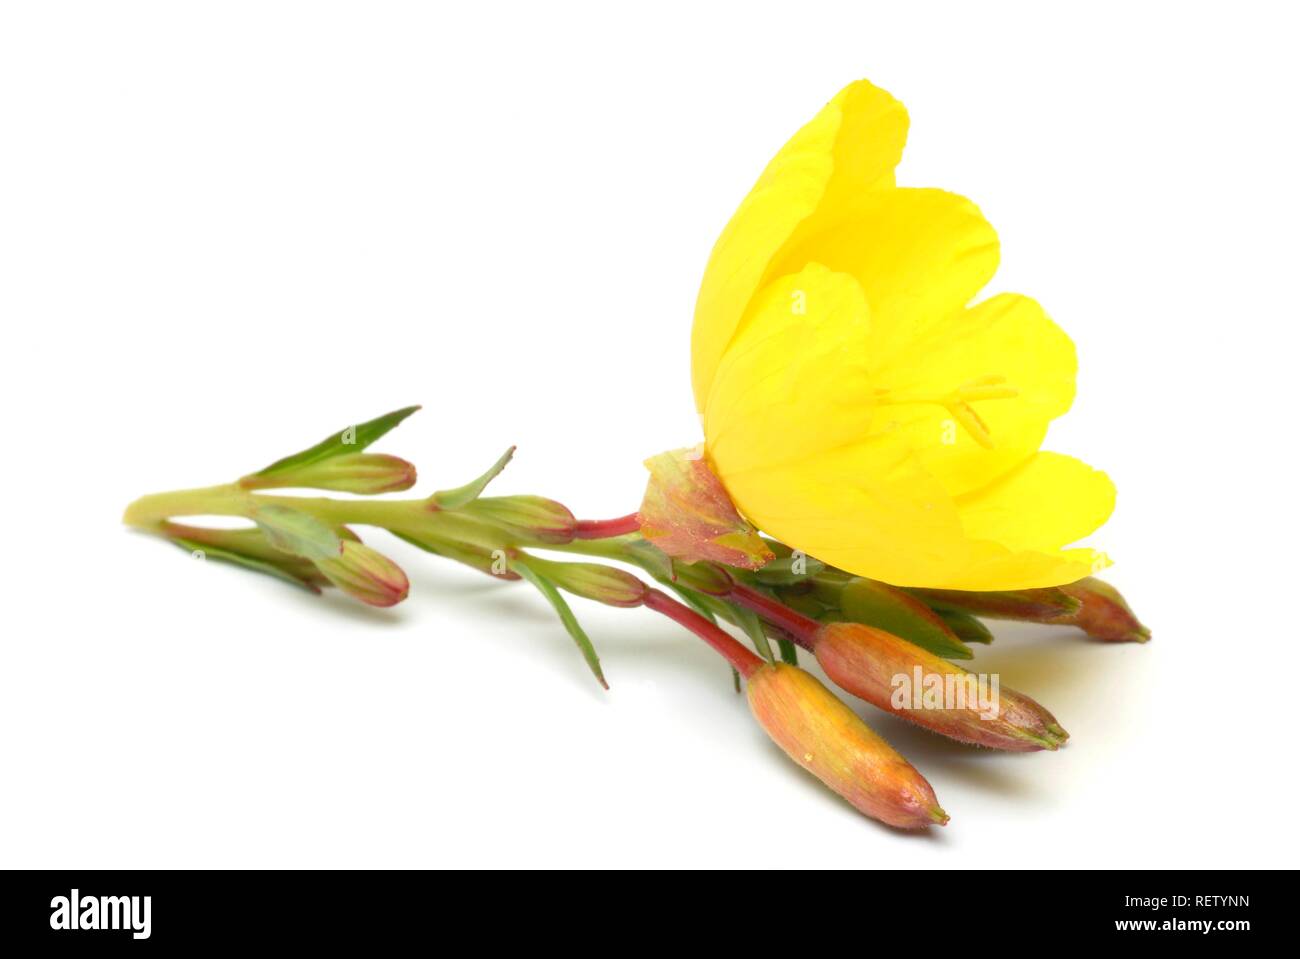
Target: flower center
(958,402)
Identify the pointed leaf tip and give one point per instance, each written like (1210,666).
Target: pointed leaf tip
(548,589)
(350,439)
(464,495)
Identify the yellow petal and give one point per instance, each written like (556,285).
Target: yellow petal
(794,380)
(920,255)
(849,148)
(857,509)
(1008,337)
(788,431)
(1048,502)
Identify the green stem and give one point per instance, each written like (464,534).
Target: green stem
(150,512)
(411,517)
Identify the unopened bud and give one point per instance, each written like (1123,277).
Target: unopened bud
(687,513)
(494,562)
(827,738)
(365,473)
(365,574)
(1104,614)
(527,520)
(909,682)
(1044,605)
(604,584)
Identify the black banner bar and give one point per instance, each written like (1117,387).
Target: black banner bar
(928,910)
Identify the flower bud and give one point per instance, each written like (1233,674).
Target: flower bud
(687,513)
(604,584)
(827,738)
(1045,605)
(365,574)
(527,520)
(495,563)
(1104,614)
(365,473)
(909,682)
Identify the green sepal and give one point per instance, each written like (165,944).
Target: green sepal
(650,558)
(351,439)
(807,603)
(557,601)
(1041,605)
(965,626)
(297,533)
(464,495)
(283,573)
(753,628)
(789,570)
(703,577)
(886,607)
(789,652)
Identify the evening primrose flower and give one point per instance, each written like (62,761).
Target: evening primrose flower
(856,406)
(870,481)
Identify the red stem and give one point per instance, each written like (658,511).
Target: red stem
(741,659)
(605,528)
(801,629)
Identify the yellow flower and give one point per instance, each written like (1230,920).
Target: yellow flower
(855,405)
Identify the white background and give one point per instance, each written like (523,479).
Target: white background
(228,229)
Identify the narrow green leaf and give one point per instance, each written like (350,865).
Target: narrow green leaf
(548,589)
(753,628)
(464,495)
(735,678)
(296,532)
(789,653)
(210,551)
(351,439)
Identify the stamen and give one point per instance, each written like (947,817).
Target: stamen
(957,403)
(964,414)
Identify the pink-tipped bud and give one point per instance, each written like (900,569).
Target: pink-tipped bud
(365,574)
(827,738)
(526,520)
(909,682)
(604,584)
(365,473)
(1104,614)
